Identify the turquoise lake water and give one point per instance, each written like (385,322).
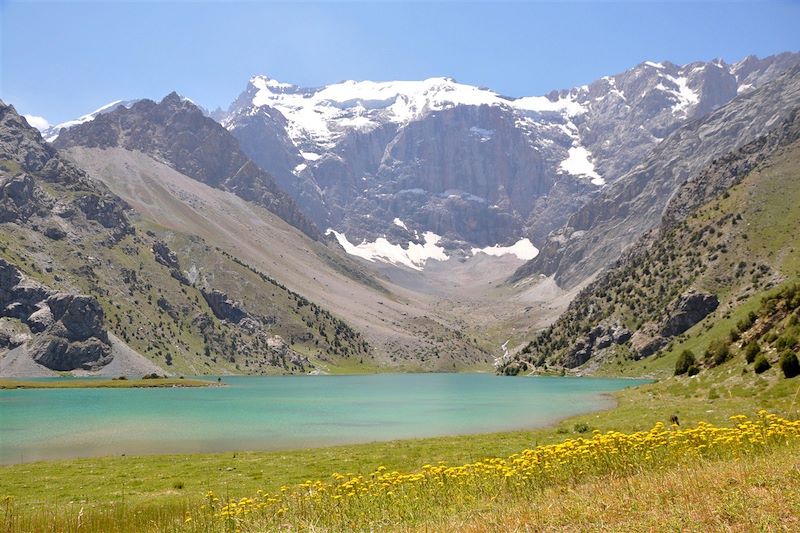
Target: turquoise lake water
(267,413)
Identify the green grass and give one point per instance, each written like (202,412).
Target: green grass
(105,383)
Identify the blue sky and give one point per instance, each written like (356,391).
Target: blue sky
(62,59)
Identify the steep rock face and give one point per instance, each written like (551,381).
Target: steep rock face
(601,229)
(365,153)
(177,132)
(69,327)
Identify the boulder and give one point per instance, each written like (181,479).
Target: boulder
(57,353)
(223,307)
(81,316)
(40,319)
(54,232)
(647,340)
(686,311)
(165,256)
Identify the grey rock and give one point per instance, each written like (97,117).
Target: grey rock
(177,132)
(223,307)
(41,319)
(58,353)
(54,232)
(81,316)
(686,311)
(647,340)
(165,256)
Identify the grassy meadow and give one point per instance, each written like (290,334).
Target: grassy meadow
(159,493)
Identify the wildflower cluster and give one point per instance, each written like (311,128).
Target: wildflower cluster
(350,501)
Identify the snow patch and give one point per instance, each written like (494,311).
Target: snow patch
(579,163)
(414,257)
(299,168)
(654,64)
(310,156)
(686,96)
(400,223)
(523,249)
(482,134)
(542,104)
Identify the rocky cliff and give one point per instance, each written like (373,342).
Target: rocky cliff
(602,228)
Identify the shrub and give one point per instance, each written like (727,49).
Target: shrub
(751,351)
(581,427)
(718,352)
(786,341)
(747,322)
(686,360)
(693,370)
(761,364)
(789,364)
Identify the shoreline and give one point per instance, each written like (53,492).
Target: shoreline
(79,383)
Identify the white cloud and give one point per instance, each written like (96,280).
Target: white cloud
(40,123)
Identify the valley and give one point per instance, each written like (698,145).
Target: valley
(417,304)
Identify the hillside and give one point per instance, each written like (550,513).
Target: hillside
(726,238)
(125,295)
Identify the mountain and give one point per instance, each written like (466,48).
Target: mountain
(177,131)
(51,133)
(598,232)
(88,284)
(725,240)
(465,163)
(184,172)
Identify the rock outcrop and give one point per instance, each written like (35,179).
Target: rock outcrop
(599,338)
(68,328)
(223,307)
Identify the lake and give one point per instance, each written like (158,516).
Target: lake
(267,413)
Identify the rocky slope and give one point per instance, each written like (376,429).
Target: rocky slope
(467,163)
(86,283)
(601,229)
(727,235)
(177,132)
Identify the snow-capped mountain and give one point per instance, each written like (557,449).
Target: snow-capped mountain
(465,167)
(51,132)
(467,163)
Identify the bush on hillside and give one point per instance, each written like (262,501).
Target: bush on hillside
(686,360)
(718,352)
(751,351)
(787,340)
(789,364)
(747,322)
(761,364)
